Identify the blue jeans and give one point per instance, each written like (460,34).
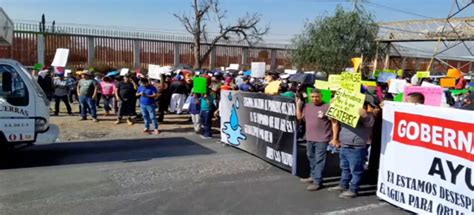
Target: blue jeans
(352,162)
(148,112)
(316,152)
(87,103)
(206,119)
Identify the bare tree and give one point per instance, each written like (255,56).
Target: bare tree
(245,28)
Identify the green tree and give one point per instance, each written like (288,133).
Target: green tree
(328,43)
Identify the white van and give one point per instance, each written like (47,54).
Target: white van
(24,108)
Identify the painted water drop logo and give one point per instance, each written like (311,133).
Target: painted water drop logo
(232,128)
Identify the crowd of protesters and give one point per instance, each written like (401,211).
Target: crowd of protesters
(173,94)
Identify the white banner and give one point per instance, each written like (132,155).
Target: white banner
(258,69)
(426,161)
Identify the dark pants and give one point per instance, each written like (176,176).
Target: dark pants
(97,100)
(108,102)
(206,121)
(66,102)
(316,152)
(126,108)
(71,95)
(87,102)
(352,160)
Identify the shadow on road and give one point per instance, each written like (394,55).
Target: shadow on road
(102,151)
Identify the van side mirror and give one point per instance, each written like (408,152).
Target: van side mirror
(6,82)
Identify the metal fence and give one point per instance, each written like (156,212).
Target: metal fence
(114,47)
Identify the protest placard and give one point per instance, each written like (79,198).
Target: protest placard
(384,77)
(397,86)
(369,83)
(60,58)
(426,159)
(124,71)
(447,82)
(457,92)
(351,81)
(433,95)
(258,69)
(334,82)
(423,74)
(291,71)
(356,62)
(322,85)
(154,71)
(398,98)
(199,85)
(234,66)
(345,107)
(67,72)
(38,66)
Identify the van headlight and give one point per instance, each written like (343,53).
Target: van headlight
(41,125)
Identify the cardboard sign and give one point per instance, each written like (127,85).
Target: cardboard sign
(345,107)
(38,66)
(60,58)
(67,72)
(423,74)
(154,71)
(234,66)
(326,95)
(322,85)
(200,85)
(291,71)
(124,71)
(447,82)
(351,81)
(457,92)
(433,95)
(454,73)
(369,83)
(258,69)
(384,77)
(334,82)
(398,98)
(397,86)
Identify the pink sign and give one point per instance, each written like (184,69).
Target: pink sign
(433,95)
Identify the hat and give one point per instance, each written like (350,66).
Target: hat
(86,72)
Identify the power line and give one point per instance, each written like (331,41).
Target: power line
(399,10)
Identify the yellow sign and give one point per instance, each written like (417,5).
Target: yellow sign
(357,61)
(447,82)
(322,85)
(334,82)
(351,81)
(345,107)
(454,73)
(369,83)
(423,74)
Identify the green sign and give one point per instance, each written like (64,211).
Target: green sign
(398,98)
(200,85)
(38,66)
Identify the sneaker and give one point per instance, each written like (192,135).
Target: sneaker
(348,195)
(95,120)
(307,180)
(117,122)
(156,132)
(313,187)
(146,130)
(339,188)
(129,122)
(205,138)
(83,119)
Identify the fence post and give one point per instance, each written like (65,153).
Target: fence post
(176,53)
(213,59)
(136,54)
(245,57)
(273,62)
(90,51)
(41,48)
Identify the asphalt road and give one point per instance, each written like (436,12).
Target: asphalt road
(172,175)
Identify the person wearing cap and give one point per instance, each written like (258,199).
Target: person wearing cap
(61,88)
(87,89)
(178,95)
(353,143)
(147,94)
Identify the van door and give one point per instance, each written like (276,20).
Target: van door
(17,117)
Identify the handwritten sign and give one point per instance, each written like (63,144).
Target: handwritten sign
(384,77)
(351,81)
(124,71)
(200,85)
(345,107)
(154,71)
(334,82)
(60,58)
(258,69)
(397,86)
(447,82)
(423,74)
(322,85)
(433,95)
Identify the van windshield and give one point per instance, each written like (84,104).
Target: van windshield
(34,83)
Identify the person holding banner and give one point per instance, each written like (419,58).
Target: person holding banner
(353,143)
(147,94)
(319,132)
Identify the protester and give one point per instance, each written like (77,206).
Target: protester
(163,98)
(469,102)
(108,89)
(416,98)
(246,86)
(178,91)
(195,110)
(99,90)
(319,133)
(61,88)
(284,91)
(72,92)
(125,94)
(353,143)
(208,106)
(46,83)
(87,89)
(147,94)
